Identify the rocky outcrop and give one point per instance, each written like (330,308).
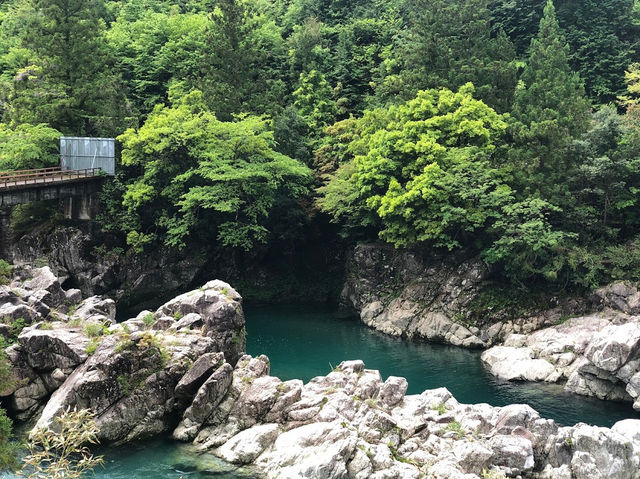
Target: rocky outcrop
(352,424)
(307,268)
(597,355)
(84,257)
(137,376)
(408,293)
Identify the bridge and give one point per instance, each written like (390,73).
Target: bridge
(25,186)
(84,165)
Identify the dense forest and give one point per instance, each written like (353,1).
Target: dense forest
(508,129)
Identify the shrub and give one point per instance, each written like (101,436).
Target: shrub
(93,330)
(5,272)
(63,452)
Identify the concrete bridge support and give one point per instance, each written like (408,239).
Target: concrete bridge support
(83,207)
(6,250)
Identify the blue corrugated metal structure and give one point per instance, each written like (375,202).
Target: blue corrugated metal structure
(78,153)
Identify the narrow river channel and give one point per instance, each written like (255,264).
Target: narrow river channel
(307,341)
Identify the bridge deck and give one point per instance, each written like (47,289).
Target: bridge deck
(44,176)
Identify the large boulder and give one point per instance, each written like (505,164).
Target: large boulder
(220,309)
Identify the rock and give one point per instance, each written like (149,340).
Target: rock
(246,446)
(198,373)
(48,349)
(518,364)
(621,296)
(614,346)
(591,451)
(393,390)
(472,457)
(43,280)
(96,309)
(220,308)
(411,293)
(73,296)
(512,452)
(204,403)
(629,428)
(314,451)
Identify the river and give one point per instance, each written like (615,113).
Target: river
(303,342)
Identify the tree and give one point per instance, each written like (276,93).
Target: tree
(601,34)
(605,181)
(314,101)
(244,61)
(201,177)
(426,171)
(28,146)
(549,110)
(69,82)
(447,44)
(155,50)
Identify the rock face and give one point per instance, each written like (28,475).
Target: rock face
(597,355)
(352,424)
(138,376)
(406,293)
(80,255)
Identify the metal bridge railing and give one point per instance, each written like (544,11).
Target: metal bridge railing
(21,178)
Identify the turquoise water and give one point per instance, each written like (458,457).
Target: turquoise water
(307,342)
(303,342)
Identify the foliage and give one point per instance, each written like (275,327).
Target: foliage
(424,174)
(66,80)
(63,452)
(549,110)
(5,272)
(28,146)
(202,175)
(421,57)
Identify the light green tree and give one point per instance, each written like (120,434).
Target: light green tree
(205,178)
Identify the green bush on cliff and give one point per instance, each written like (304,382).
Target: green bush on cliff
(5,272)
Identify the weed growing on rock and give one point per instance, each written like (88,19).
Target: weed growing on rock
(440,407)
(455,427)
(148,319)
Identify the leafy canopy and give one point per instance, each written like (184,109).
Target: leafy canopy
(202,176)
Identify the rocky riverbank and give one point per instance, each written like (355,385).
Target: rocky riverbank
(415,295)
(181,370)
(594,355)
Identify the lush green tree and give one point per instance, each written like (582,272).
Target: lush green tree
(606,179)
(291,133)
(155,50)
(601,33)
(314,100)
(426,172)
(549,111)
(68,82)
(201,176)
(245,61)
(447,44)
(28,146)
